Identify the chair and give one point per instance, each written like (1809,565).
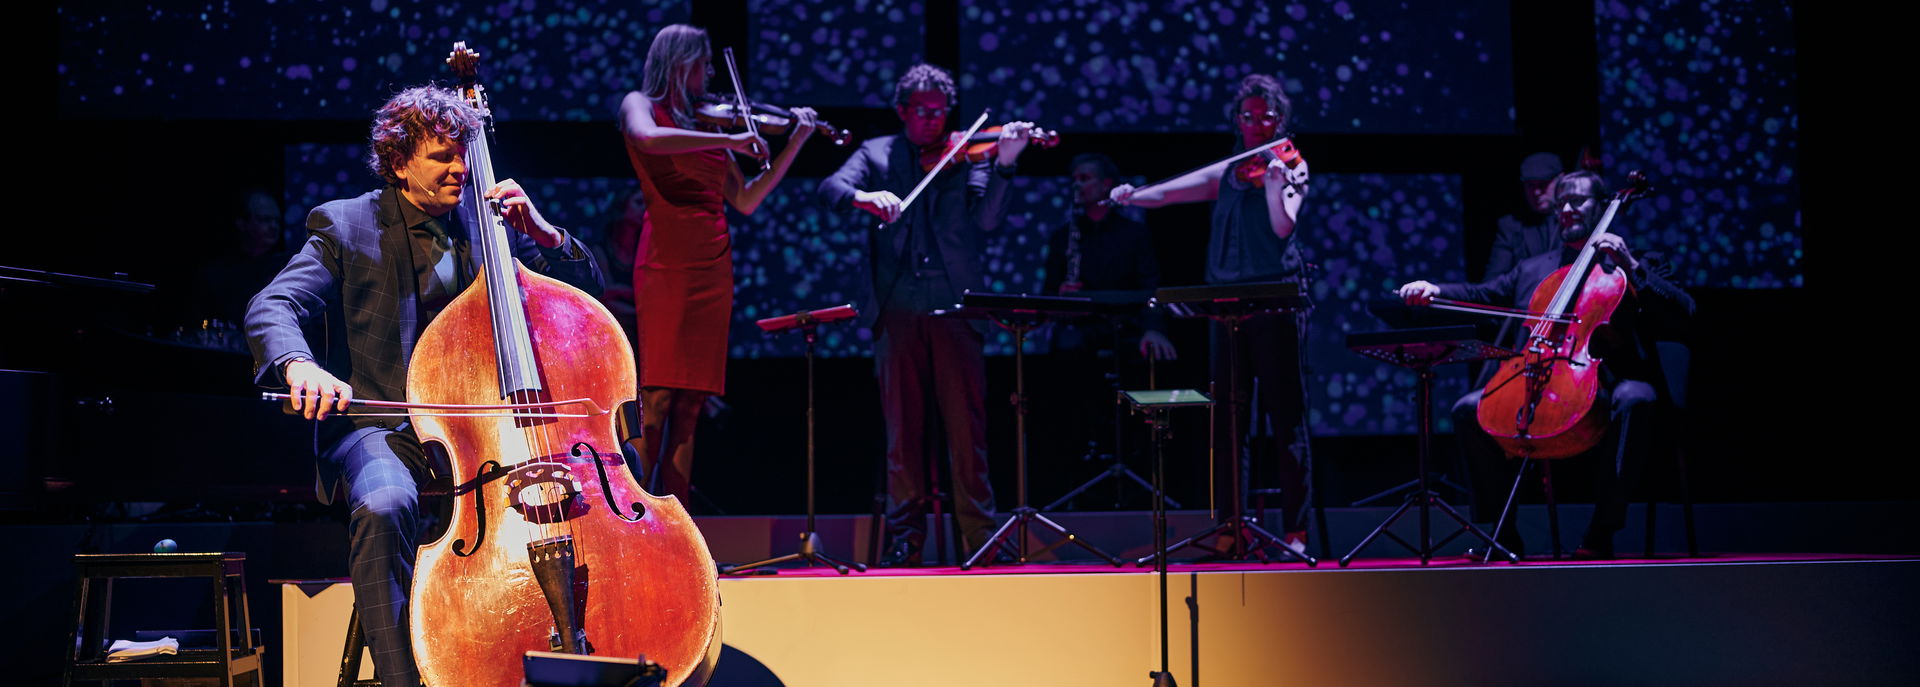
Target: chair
(1675,358)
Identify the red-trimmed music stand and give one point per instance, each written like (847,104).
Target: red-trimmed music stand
(806,323)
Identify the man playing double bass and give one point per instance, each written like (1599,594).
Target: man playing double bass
(1630,375)
(376,269)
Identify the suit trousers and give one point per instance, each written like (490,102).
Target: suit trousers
(383,469)
(1613,464)
(919,358)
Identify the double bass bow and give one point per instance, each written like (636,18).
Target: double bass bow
(1540,404)
(553,545)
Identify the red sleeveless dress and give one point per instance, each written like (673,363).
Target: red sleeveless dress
(683,273)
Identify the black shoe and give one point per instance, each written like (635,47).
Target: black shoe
(904,554)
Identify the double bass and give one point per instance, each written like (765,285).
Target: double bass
(553,545)
(1540,404)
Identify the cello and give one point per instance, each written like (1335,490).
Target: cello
(552,545)
(1540,404)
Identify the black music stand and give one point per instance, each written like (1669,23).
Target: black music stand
(1114,304)
(1231,305)
(1155,404)
(806,323)
(1421,350)
(1020,314)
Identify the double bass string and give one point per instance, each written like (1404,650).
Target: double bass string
(501,295)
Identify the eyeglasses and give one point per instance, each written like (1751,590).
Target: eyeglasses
(1572,199)
(1268,117)
(924,112)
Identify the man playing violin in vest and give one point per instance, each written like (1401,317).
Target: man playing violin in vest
(924,256)
(374,271)
(1631,378)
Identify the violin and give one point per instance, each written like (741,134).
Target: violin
(552,544)
(1252,171)
(979,146)
(718,112)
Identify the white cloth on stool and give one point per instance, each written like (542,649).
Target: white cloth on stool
(123,650)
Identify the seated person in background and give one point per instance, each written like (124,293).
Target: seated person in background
(1531,231)
(1099,249)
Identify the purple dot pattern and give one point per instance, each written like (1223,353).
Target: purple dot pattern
(304,59)
(795,253)
(1365,235)
(1365,66)
(1701,97)
(831,53)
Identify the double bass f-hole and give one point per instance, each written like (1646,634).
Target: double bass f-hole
(638,509)
(460,546)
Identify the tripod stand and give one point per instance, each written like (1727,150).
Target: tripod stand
(1156,404)
(810,551)
(1422,350)
(1118,469)
(1232,306)
(1020,315)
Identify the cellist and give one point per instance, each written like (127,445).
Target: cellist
(1630,378)
(378,267)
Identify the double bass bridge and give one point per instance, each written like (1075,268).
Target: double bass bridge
(544,493)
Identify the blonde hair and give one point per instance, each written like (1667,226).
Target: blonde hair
(664,77)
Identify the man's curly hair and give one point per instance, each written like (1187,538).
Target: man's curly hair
(924,77)
(413,116)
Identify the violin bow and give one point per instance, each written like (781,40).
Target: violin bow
(592,409)
(1228,160)
(746,110)
(951,151)
(1497,311)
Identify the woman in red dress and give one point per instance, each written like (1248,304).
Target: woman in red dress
(683,273)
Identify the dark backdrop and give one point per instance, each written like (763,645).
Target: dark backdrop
(145,190)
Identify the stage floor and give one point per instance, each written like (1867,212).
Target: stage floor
(1719,619)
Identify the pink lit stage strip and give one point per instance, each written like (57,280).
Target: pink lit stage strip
(1814,619)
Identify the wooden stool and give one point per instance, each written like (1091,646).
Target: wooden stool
(86,655)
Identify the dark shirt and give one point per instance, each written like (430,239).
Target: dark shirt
(1116,254)
(437,267)
(1518,237)
(1242,246)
